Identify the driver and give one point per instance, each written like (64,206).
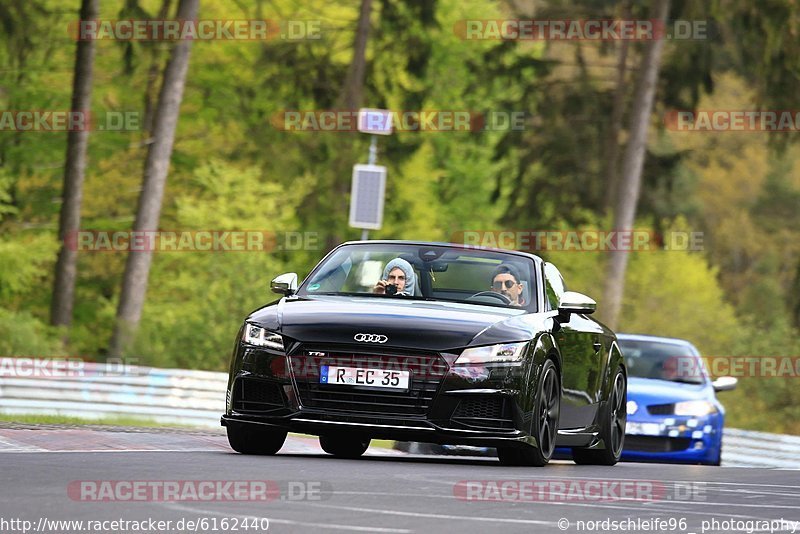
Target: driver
(397,273)
(506,281)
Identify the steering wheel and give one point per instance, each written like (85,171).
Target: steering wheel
(499,296)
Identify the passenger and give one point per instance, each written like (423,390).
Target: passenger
(398,279)
(506,281)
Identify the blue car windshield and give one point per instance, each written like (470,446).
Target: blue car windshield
(661,360)
(426,272)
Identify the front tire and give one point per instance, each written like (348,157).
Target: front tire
(612,431)
(254,439)
(344,446)
(547,409)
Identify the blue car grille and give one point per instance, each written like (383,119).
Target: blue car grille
(661,409)
(656,444)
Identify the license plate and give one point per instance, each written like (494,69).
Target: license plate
(360,376)
(643,429)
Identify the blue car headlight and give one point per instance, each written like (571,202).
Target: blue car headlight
(695,408)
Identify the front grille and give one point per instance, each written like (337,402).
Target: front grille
(656,444)
(489,411)
(426,371)
(256,395)
(488,407)
(661,409)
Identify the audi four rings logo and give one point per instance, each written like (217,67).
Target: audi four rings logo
(371,338)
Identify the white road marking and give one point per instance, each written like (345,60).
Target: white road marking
(332,526)
(660,506)
(582,504)
(552,475)
(13,446)
(61,451)
(432,516)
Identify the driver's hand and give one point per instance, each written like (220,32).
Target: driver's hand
(380,287)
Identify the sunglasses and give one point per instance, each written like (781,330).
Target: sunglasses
(508,283)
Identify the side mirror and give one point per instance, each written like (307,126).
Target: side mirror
(725,383)
(285,284)
(572,302)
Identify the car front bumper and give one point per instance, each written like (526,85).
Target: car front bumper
(674,439)
(306,423)
(446,404)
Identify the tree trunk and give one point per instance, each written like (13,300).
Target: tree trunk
(632,164)
(794,299)
(137,266)
(74,171)
(350,98)
(152,75)
(617,109)
(352,93)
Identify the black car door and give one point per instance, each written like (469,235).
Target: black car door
(580,342)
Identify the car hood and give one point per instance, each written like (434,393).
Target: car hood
(410,324)
(648,391)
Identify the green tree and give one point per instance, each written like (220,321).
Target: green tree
(75,169)
(137,267)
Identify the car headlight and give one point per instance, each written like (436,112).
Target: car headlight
(261,337)
(504,352)
(695,408)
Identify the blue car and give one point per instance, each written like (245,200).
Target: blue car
(673,412)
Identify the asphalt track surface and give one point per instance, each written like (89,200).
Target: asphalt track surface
(385,491)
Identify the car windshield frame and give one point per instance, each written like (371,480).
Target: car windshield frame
(682,349)
(531,276)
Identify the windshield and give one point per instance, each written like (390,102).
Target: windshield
(425,272)
(675,362)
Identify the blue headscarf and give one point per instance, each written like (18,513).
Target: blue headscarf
(403,265)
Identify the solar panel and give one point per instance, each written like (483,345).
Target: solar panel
(367,196)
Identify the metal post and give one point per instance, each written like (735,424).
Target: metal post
(373,150)
(372,160)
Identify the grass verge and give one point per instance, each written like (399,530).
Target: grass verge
(65,420)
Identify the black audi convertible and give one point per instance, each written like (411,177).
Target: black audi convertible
(429,342)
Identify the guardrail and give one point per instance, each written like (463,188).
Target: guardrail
(747,448)
(89,390)
(177,396)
